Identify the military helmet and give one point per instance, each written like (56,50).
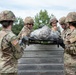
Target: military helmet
(28,20)
(71,17)
(53,19)
(7,16)
(62,20)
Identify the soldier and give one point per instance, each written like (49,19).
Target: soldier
(26,30)
(10,50)
(70,45)
(64,26)
(53,23)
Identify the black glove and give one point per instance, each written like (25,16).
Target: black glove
(32,39)
(25,40)
(60,42)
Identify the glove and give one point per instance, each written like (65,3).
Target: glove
(61,43)
(32,39)
(25,40)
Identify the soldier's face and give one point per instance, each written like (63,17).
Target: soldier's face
(30,25)
(63,26)
(54,23)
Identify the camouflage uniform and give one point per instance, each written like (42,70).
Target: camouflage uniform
(70,50)
(64,32)
(66,29)
(10,50)
(55,28)
(25,30)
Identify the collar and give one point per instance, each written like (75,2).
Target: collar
(6,30)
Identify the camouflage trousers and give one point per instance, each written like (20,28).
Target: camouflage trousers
(8,74)
(69,64)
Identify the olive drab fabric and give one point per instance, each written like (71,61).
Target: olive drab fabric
(24,32)
(7,15)
(9,47)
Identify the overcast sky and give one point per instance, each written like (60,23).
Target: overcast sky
(23,8)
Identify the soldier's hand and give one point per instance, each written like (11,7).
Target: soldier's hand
(32,38)
(61,43)
(25,40)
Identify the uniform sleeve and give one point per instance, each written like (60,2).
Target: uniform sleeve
(19,35)
(17,49)
(24,32)
(72,39)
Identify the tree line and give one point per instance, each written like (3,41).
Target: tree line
(42,18)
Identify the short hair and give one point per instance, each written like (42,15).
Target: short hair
(5,24)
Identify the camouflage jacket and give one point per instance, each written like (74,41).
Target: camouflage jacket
(70,42)
(24,32)
(9,47)
(63,33)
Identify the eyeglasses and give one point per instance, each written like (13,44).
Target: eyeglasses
(30,24)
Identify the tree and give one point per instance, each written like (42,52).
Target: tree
(41,19)
(18,25)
